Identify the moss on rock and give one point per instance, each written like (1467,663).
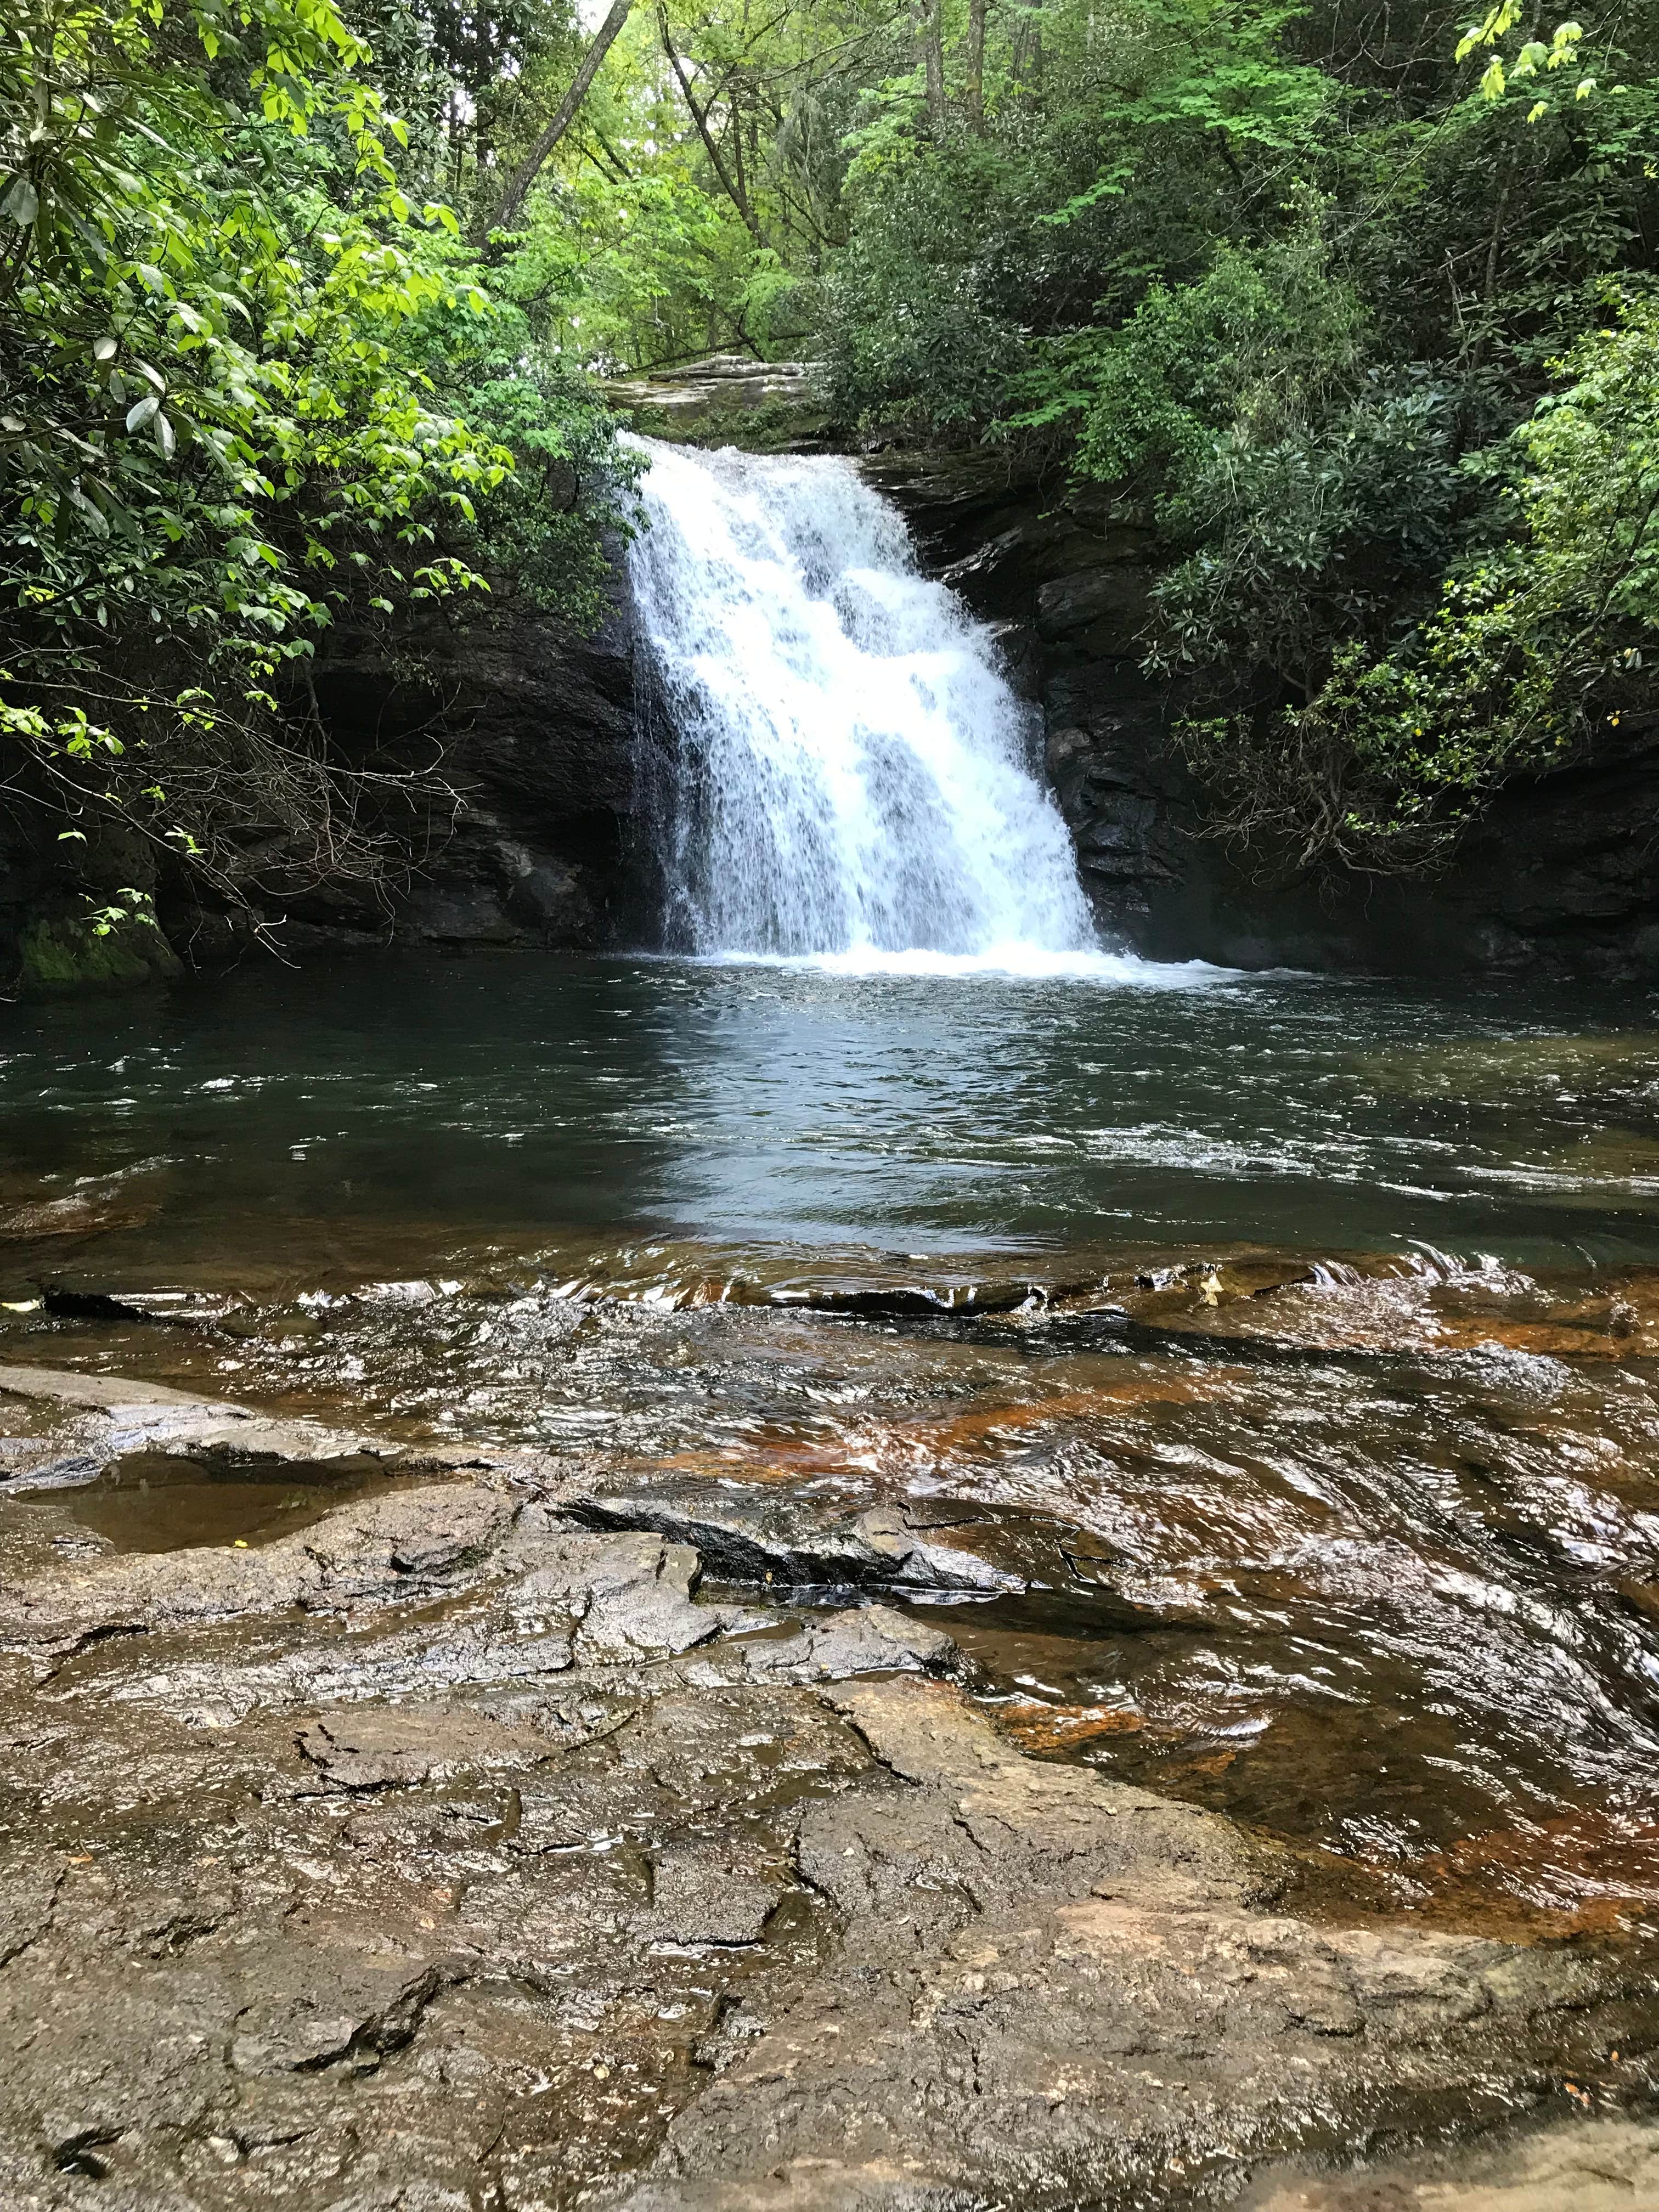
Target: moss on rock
(61,957)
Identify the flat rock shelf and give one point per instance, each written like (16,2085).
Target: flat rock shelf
(716,1585)
(451,1850)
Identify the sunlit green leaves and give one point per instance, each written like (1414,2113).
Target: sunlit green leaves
(213,343)
(1533,58)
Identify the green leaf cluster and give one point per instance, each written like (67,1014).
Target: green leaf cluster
(254,386)
(1536,648)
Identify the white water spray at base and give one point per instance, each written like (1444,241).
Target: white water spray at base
(852,778)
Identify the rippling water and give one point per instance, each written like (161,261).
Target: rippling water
(1294,1342)
(509,1099)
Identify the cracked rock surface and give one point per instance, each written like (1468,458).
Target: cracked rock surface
(94,1419)
(453,1851)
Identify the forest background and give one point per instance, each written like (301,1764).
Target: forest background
(303,314)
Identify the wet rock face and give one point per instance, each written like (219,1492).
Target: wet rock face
(524,837)
(50,947)
(453,1851)
(529,725)
(1055,1990)
(1558,878)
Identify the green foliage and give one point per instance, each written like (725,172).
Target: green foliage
(1527,64)
(1535,647)
(1283,282)
(1248,354)
(1313,538)
(233,354)
(994,265)
(926,314)
(632,273)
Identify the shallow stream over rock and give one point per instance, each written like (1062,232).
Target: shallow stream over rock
(917,1390)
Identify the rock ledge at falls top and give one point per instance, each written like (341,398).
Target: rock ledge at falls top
(727,399)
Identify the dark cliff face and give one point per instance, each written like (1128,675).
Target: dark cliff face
(529,725)
(503,759)
(69,920)
(1561,878)
(517,826)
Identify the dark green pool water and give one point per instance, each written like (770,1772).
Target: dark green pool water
(520,1100)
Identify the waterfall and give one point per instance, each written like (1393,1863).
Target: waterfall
(851,776)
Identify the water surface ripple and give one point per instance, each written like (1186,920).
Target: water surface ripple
(503,1096)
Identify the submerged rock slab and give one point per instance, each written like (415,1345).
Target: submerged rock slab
(105,1416)
(389,1548)
(761,1538)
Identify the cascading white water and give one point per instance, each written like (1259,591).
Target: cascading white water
(851,771)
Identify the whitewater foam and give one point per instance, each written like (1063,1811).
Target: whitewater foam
(1019,963)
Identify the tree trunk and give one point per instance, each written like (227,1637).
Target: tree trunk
(1027,67)
(733,189)
(931,27)
(736,144)
(519,190)
(975,85)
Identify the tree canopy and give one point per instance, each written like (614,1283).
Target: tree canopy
(1350,304)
